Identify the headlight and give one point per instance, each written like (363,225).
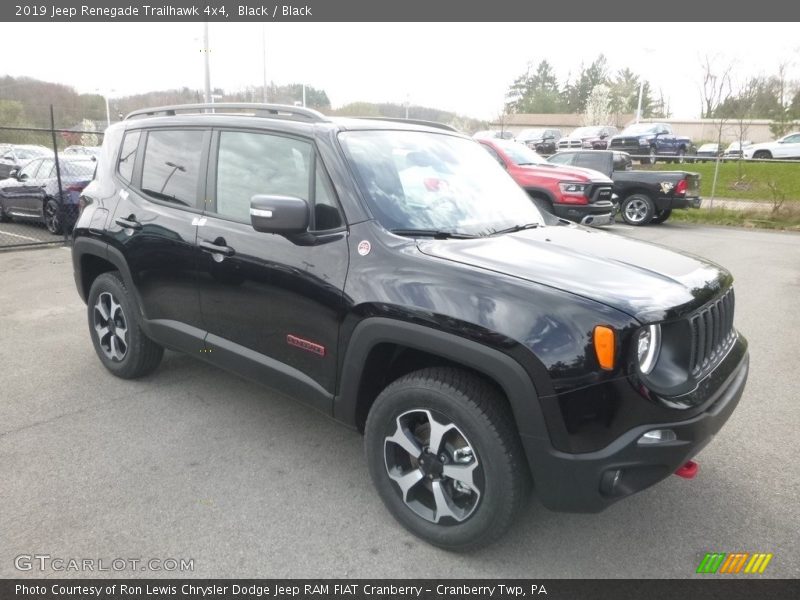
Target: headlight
(644,141)
(578,189)
(648,343)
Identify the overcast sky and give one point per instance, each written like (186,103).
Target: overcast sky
(462,67)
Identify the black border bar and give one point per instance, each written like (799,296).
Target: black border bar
(671,13)
(705,587)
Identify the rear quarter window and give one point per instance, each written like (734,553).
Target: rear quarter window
(127,155)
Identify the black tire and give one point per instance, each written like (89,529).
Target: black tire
(637,209)
(477,415)
(681,156)
(4,218)
(762,154)
(661,215)
(51,214)
(651,158)
(131,354)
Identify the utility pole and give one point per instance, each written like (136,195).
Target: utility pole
(207,65)
(264,61)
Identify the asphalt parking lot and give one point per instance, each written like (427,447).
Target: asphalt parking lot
(194,463)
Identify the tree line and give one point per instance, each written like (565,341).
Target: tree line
(25,102)
(606,95)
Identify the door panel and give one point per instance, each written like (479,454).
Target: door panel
(272,307)
(159,239)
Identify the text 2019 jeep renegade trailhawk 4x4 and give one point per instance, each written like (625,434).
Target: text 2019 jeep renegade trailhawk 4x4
(394,276)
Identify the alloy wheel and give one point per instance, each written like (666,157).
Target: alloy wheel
(111,326)
(434,466)
(51,217)
(636,210)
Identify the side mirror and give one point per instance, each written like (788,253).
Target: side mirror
(279,214)
(603,135)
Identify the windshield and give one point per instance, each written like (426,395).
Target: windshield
(641,128)
(529,134)
(520,154)
(586,131)
(418,180)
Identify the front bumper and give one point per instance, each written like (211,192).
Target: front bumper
(595,213)
(588,482)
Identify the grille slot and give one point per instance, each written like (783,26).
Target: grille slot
(712,333)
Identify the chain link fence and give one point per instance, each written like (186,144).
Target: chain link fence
(42,174)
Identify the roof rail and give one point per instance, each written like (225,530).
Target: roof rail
(435,124)
(279,111)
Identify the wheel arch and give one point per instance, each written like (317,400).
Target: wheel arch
(382,349)
(91,258)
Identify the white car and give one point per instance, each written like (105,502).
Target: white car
(786,147)
(733,151)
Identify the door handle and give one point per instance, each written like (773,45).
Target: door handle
(217,248)
(129,223)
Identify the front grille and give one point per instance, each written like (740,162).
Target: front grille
(600,193)
(712,333)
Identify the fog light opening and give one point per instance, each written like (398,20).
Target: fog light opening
(609,483)
(657,436)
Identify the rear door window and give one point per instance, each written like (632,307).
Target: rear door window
(172,165)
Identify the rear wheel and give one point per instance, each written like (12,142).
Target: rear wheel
(446,458)
(52,219)
(637,209)
(661,215)
(4,218)
(120,343)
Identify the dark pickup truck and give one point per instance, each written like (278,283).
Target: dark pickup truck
(644,196)
(649,142)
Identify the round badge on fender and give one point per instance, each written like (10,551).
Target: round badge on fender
(364,247)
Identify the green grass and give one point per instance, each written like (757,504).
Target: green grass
(785,218)
(754,185)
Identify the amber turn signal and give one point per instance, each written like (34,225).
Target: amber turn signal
(604,346)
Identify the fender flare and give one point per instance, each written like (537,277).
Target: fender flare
(503,369)
(83,246)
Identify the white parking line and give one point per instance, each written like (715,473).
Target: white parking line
(24,237)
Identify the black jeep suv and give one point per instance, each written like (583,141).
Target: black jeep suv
(394,276)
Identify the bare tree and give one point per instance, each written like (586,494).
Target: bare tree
(716,91)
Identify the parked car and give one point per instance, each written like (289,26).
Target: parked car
(649,142)
(395,278)
(708,152)
(494,133)
(17,156)
(645,196)
(576,194)
(734,151)
(588,138)
(83,150)
(32,194)
(786,147)
(542,140)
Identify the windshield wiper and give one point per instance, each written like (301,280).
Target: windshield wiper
(516,228)
(434,233)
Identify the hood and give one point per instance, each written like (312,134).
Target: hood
(646,281)
(559,173)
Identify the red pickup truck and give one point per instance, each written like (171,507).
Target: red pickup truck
(580,195)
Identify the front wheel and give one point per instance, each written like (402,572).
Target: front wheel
(661,215)
(445,457)
(762,154)
(651,157)
(637,209)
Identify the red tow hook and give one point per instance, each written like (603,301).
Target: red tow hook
(688,470)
